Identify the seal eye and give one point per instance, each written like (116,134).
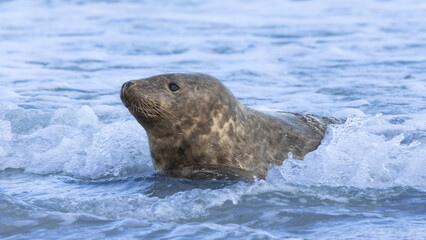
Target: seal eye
(173,87)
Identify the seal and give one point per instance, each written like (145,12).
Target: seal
(197,129)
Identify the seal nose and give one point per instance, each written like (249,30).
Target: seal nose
(124,88)
(126,85)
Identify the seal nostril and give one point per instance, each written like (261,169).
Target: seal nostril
(124,93)
(126,85)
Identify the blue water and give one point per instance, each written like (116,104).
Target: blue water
(74,164)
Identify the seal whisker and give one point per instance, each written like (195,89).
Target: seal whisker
(158,110)
(140,110)
(169,113)
(158,113)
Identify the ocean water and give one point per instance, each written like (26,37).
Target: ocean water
(74,164)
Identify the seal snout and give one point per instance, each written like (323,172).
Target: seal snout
(143,107)
(126,85)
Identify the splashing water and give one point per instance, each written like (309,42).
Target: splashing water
(364,153)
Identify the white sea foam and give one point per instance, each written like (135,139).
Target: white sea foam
(358,154)
(73,142)
(364,152)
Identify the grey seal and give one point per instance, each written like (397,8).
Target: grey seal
(197,129)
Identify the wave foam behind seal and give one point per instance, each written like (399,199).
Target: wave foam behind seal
(365,152)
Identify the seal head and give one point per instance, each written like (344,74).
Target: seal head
(197,129)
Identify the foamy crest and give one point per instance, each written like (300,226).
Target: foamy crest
(372,152)
(72,141)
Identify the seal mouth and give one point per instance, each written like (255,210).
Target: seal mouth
(145,110)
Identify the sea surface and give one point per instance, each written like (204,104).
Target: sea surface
(74,164)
